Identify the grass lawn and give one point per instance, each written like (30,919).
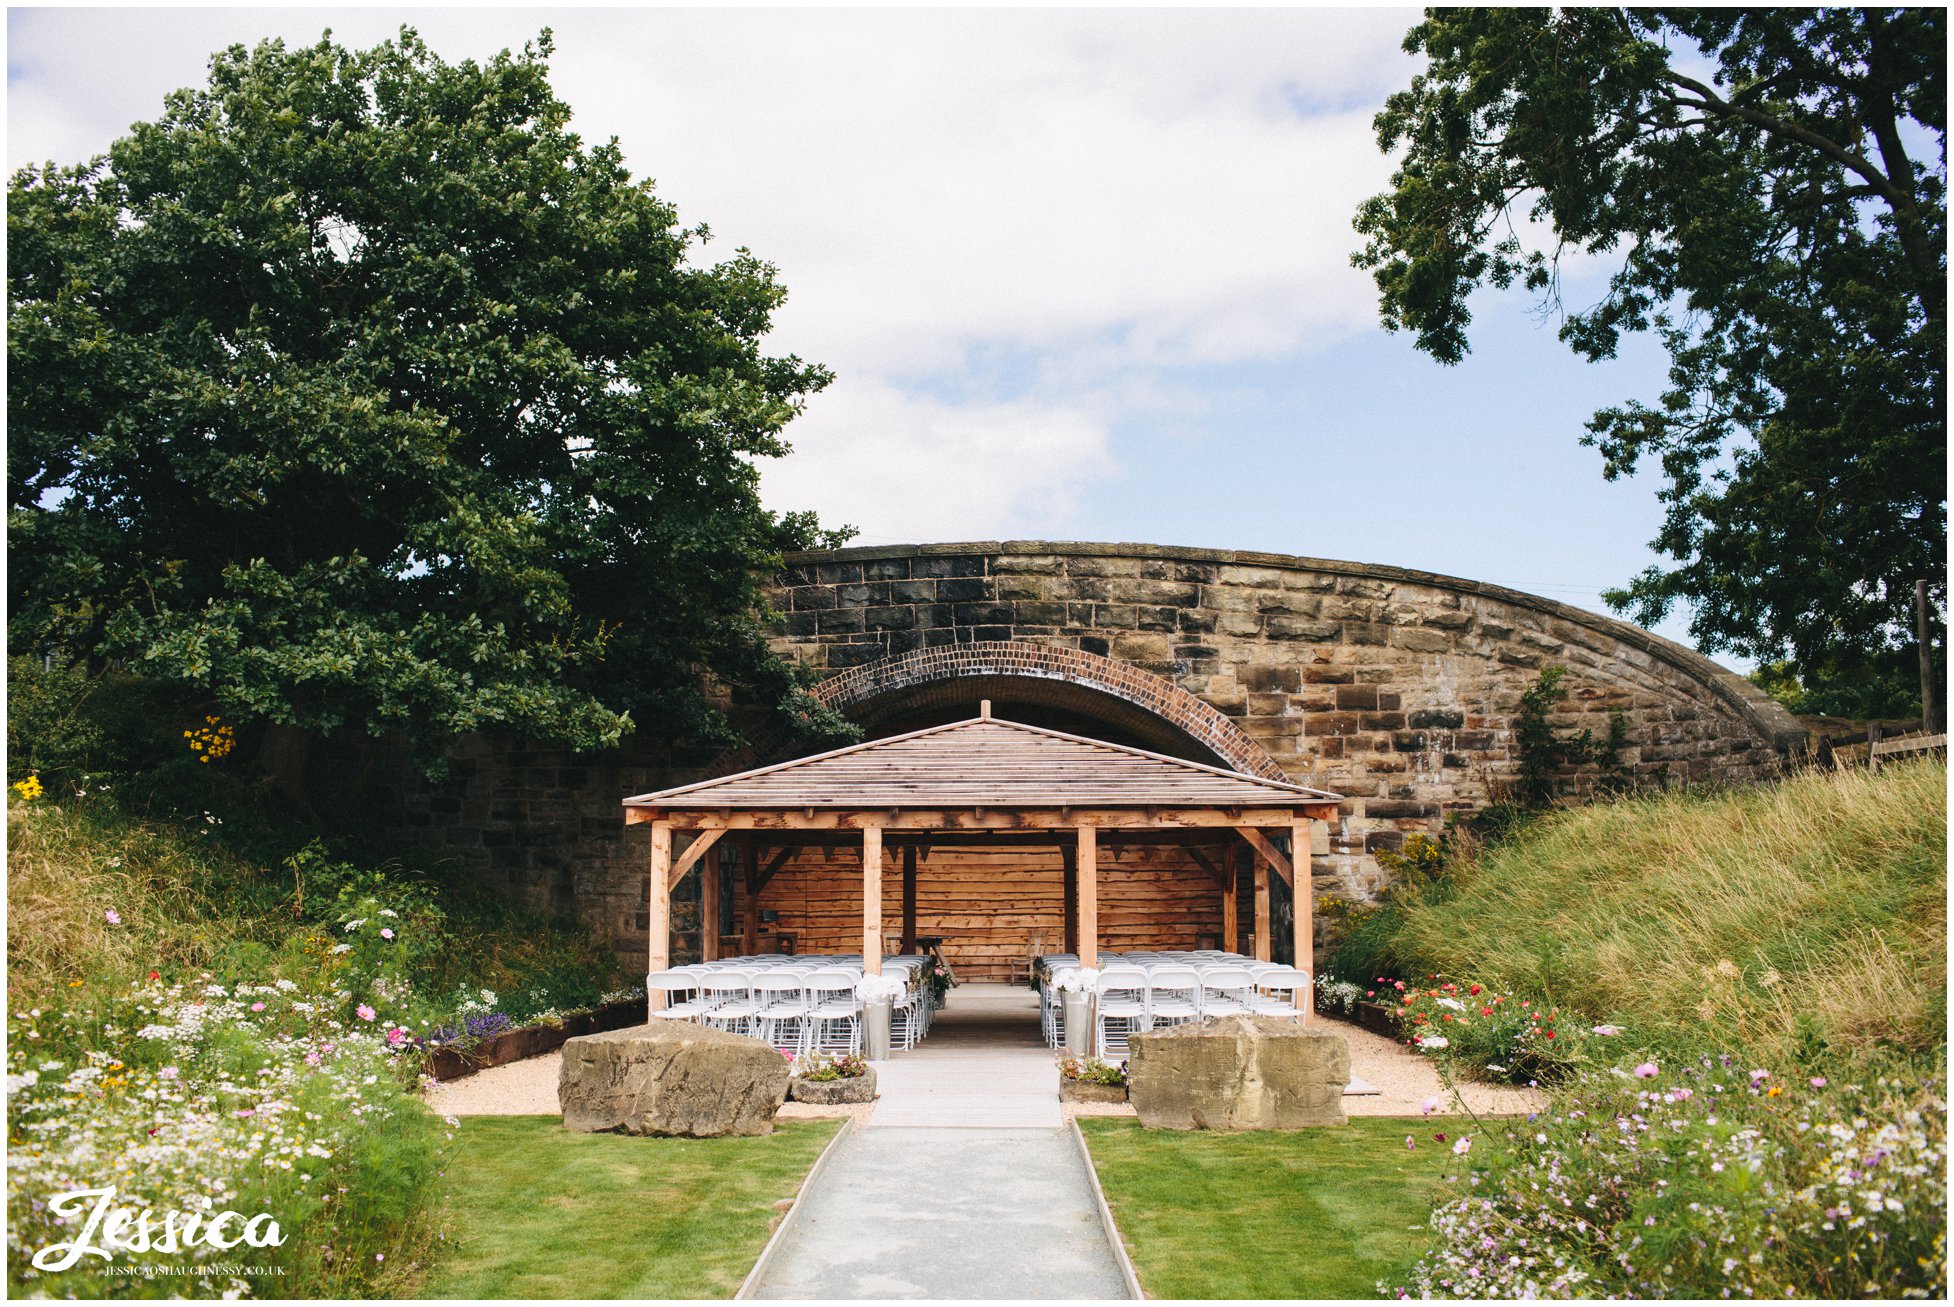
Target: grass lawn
(537,1211)
(1270,1214)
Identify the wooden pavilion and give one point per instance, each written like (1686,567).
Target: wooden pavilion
(983,782)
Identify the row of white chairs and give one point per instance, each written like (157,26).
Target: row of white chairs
(799,1004)
(1138,992)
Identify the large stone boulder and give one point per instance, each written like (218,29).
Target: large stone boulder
(1238,1073)
(671,1078)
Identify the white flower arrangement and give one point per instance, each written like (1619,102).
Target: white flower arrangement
(872,988)
(1076,980)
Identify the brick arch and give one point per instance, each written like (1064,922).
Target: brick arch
(925,674)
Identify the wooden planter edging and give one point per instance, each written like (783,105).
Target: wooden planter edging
(1379,1018)
(531,1041)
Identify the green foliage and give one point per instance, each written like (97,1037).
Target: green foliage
(1768,223)
(1883,685)
(357,390)
(1546,756)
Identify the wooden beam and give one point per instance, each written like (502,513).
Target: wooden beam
(986,818)
(1231,924)
(1212,867)
(750,868)
(701,844)
(780,859)
(1088,896)
(872,900)
(659,940)
(1304,914)
(1068,856)
(909,898)
(709,877)
(1269,851)
(1261,936)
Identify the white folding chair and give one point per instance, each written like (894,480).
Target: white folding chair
(1173,995)
(729,1000)
(1281,992)
(780,997)
(834,1011)
(1226,990)
(1122,1003)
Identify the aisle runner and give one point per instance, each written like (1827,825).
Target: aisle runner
(984,1064)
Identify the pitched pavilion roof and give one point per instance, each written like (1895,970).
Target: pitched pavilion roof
(984,762)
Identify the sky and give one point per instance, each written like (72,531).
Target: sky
(1082,274)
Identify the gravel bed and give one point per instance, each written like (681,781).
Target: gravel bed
(1403,1078)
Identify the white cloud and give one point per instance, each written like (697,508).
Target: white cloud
(1000,227)
(906,469)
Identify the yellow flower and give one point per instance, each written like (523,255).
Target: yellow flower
(30,788)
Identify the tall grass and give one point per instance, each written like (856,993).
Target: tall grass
(1776,918)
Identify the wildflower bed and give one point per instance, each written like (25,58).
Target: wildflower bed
(202,1098)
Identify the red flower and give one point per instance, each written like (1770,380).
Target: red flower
(1550,1034)
(1450,987)
(1439,1137)
(1485,1011)
(155,975)
(1446,1017)
(1473,990)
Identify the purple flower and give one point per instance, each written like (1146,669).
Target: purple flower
(1409,1144)
(113,917)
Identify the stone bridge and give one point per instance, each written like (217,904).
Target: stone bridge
(1393,687)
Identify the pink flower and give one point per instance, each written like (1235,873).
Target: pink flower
(364,1013)
(312,1059)
(257,1007)
(113,917)
(1430,1105)
(1647,1070)
(1818,1082)
(1680,1092)
(1464,1145)
(386,932)
(1409,1144)
(247,1111)
(166,1073)
(1759,1077)
(396,1035)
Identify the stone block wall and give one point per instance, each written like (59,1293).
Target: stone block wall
(1395,689)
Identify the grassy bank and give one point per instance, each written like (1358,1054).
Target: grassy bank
(536,1211)
(1777,919)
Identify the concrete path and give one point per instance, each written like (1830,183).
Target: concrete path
(984,1064)
(947,1213)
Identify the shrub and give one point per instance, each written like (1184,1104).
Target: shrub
(1709,1180)
(817,1065)
(1470,1028)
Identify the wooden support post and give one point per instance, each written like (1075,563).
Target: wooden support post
(1067,856)
(1088,874)
(710,874)
(1262,936)
(1304,914)
(909,898)
(872,900)
(659,940)
(1231,925)
(750,868)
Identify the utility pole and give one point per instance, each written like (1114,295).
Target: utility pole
(1929,701)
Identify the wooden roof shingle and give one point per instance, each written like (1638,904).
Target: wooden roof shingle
(985,762)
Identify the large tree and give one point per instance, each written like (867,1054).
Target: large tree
(356,389)
(1768,189)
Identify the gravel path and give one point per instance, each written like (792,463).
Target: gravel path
(1403,1078)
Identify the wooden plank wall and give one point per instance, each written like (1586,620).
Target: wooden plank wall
(989,903)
